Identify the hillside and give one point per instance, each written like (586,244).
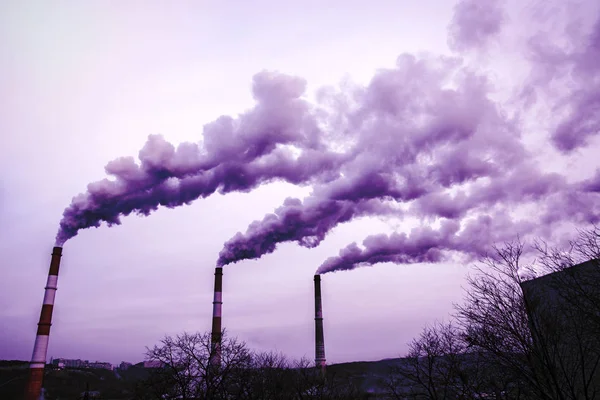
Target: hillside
(118,384)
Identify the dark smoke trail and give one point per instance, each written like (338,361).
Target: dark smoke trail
(426,245)
(235,155)
(305,225)
(576,203)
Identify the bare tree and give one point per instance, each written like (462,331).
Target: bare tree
(437,366)
(541,330)
(571,311)
(579,286)
(527,338)
(309,382)
(494,320)
(186,372)
(269,377)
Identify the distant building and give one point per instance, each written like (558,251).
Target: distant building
(125,365)
(100,365)
(67,363)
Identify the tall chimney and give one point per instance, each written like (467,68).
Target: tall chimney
(319,338)
(40,348)
(216,321)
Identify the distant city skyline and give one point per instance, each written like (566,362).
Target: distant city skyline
(61,362)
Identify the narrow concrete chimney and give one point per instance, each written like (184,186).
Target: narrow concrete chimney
(320,361)
(216,321)
(40,348)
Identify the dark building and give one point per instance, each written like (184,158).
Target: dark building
(564,319)
(66,363)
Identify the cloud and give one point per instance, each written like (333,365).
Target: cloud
(475,23)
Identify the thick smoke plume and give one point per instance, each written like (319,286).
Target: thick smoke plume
(438,138)
(278,139)
(431,135)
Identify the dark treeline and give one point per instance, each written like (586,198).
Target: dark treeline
(188,373)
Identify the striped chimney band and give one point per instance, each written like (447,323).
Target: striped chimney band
(320,361)
(40,348)
(216,320)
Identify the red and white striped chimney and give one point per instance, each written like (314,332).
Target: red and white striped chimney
(216,320)
(40,348)
(320,361)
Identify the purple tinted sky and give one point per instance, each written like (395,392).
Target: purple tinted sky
(86,83)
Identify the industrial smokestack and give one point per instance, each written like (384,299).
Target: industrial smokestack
(40,348)
(216,321)
(319,338)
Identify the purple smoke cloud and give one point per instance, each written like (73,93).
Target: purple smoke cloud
(448,151)
(573,66)
(235,155)
(523,184)
(475,23)
(583,121)
(412,141)
(306,224)
(425,244)
(592,184)
(426,139)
